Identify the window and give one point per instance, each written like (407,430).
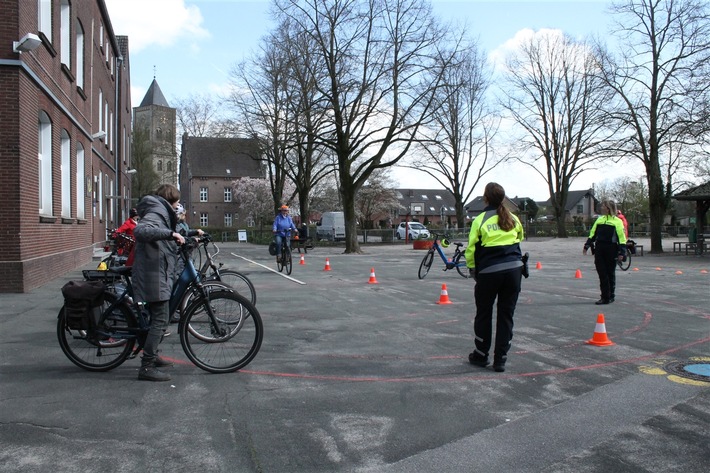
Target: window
(45,164)
(227,194)
(204,219)
(203,194)
(65,33)
(109,131)
(580,209)
(437,197)
(44,20)
(105,122)
(227,219)
(80,181)
(425,197)
(101,107)
(169,166)
(79,55)
(65,172)
(160,165)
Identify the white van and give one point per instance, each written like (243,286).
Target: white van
(331,226)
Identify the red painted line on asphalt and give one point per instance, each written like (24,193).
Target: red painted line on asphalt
(419,378)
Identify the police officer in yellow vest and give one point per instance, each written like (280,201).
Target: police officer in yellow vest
(495,261)
(608,242)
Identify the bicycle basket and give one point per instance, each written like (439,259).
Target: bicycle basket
(82,303)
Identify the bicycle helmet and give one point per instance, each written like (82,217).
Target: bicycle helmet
(283,207)
(445,242)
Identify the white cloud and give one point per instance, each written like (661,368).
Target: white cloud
(156,22)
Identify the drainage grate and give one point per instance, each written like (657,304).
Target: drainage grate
(690,370)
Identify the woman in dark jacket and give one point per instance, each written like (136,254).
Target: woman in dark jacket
(495,261)
(154,271)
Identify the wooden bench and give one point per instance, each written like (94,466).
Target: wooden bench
(304,244)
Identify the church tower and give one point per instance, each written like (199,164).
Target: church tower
(156,119)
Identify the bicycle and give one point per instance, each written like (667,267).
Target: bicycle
(220,330)
(285,260)
(210,271)
(454,262)
(625,262)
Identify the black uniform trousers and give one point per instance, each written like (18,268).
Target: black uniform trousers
(605,256)
(504,286)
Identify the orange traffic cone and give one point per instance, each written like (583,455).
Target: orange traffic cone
(303,260)
(444,298)
(578,274)
(538,265)
(600,339)
(373,279)
(327,265)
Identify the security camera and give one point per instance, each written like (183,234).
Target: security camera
(29,42)
(99,135)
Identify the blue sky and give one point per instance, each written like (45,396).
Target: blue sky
(191,45)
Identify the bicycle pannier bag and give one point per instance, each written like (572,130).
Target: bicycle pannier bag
(82,303)
(272,248)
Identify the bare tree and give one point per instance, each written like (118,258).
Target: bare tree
(556,98)
(376,197)
(380,60)
(457,145)
(660,79)
(200,115)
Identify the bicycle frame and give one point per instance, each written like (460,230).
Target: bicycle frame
(454,262)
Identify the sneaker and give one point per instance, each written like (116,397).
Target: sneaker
(151,373)
(161,362)
(478,360)
(602,302)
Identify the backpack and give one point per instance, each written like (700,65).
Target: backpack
(82,303)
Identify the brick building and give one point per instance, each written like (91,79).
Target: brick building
(208,168)
(64,139)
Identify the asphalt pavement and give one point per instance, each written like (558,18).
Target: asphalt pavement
(355,376)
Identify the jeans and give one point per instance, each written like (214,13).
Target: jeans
(280,239)
(159,319)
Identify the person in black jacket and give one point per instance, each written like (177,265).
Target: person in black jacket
(608,240)
(154,271)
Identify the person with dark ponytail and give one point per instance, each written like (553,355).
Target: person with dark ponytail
(495,261)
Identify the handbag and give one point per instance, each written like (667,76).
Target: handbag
(272,248)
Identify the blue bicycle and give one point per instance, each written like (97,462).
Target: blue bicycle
(454,262)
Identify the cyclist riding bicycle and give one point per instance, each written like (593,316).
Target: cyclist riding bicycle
(283,225)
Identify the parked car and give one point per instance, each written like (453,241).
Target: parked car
(416,230)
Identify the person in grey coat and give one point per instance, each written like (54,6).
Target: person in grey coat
(154,271)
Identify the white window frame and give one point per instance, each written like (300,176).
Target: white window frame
(204,219)
(79,55)
(65,173)
(65,33)
(80,179)
(204,194)
(44,17)
(228,220)
(44,155)
(101,108)
(227,194)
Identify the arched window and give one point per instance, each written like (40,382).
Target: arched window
(65,173)
(170,166)
(79,55)
(44,154)
(80,178)
(65,32)
(160,165)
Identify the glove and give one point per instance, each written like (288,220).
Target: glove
(526,271)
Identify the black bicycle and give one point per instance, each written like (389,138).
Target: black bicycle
(285,261)
(625,262)
(454,262)
(220,330)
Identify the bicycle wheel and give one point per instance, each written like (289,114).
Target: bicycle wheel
(425,265)
(102,349)
(462,270)
(280,262)
(625,263)
(288,263)
(193,292)
(236,332)
(239,282)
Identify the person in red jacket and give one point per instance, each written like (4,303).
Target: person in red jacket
(130,224)
(625,222)
(125,245)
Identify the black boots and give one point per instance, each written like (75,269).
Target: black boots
(149,369)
